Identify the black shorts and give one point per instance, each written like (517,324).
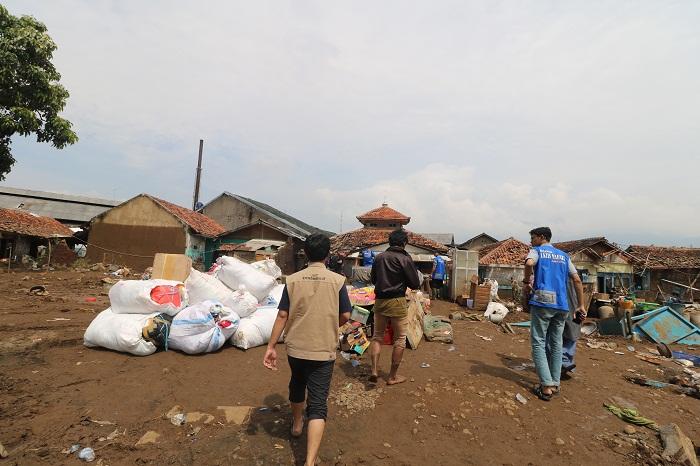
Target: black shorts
(313,377)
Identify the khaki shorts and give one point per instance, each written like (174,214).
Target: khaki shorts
(398,324)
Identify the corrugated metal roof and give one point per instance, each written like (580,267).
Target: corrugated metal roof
(447,239)
(299,227)
(63,207)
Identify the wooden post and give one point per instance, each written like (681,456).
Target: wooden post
(48,263)
(9,260)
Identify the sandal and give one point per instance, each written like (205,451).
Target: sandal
(539,392)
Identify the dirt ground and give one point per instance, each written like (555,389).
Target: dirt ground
(54,393)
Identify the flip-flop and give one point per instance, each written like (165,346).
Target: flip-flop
(538,391)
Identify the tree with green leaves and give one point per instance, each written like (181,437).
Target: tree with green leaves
(30,94)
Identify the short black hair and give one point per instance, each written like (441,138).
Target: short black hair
(542,231)
(398,237)
(317,247)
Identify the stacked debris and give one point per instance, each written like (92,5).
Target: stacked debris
(193,312)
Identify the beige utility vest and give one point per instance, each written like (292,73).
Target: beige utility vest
(312,328)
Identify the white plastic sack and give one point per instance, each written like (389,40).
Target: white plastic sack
(119,332)
(496,312)
(256,329)
(197,329)
(494,289)
(234,273)
(204,287)
(243,303)
(268,266)
(273,300)
(134,297)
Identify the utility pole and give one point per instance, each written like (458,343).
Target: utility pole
(198,176)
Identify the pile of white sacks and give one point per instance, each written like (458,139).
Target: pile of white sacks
(234,302)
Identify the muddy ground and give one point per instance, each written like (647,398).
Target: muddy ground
(54,393)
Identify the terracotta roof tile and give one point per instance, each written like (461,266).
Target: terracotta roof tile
(383,213)
(200,223)
(507,252)
(574,246)
(25,223)
(657,257)
(347,243)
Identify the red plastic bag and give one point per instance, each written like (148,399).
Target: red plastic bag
(166,294)
(389,334)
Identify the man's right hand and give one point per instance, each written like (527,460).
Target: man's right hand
(270,359)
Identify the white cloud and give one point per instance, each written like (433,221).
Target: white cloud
(585,115)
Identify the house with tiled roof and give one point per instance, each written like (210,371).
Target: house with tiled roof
(477,242)
(503,261)
(23,233)
(600,263)
(671,270)
(377,225)
(133,232)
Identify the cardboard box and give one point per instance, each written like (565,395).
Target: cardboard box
(171,267)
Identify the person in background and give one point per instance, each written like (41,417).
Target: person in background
(314,304)
(571,334)
(437,275)
(547,271)
(392,273)
(368,257)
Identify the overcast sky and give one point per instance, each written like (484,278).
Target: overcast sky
(467,116)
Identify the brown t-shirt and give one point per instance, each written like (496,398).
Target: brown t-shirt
(314,297)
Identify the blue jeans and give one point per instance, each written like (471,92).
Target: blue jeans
(546,328)
(568,351)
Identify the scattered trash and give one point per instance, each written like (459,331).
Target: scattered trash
(483,337)
(523,367)
(263,409)
(589,328)
(647,382)
(3,451)
(630,348)
(355,363)
(631,415)
(619,352)
(608,346)
(90,299)
(521,398)
(87,454)
(680,355)
(73,449)
(57,319)
(178,419)
(664,325)
(149,437)
(437,328)
(101,423)
(452,348)
(678,448)
(521,324)
(38,290)
(236,414)
(278,446)
(649,358)
(424,365)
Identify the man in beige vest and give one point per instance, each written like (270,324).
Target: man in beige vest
(314,304)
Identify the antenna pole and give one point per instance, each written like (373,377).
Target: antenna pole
(198,176)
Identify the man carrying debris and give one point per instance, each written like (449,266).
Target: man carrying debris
(549,306)
(393,271)
(314,304)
